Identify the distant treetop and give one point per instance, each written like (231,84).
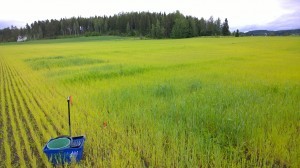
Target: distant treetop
(153,25)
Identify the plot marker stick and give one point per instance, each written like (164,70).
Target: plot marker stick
(69,115)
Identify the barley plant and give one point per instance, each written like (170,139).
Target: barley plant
(199,102)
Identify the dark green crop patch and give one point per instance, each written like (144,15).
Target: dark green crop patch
(49,63)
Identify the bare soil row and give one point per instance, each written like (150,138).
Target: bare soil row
(25,125)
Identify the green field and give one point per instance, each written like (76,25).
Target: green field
(199,102)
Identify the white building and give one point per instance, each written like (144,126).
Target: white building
(21,38)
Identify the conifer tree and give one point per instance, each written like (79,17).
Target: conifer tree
(225,28)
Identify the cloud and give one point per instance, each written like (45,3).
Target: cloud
(242,14)
(8,23)
(289,19)
(4,24)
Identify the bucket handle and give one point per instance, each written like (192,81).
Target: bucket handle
(64,136)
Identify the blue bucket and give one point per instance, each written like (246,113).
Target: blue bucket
(64,150)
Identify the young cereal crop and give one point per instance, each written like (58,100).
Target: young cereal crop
(199,102)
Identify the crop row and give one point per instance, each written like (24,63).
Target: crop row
(25,123)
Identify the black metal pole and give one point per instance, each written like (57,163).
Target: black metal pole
(69,116)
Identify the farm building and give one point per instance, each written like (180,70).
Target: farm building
(21,38)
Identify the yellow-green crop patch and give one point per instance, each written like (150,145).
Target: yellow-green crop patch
(211,102)
(59,62)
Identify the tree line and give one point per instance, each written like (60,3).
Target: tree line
(141,24)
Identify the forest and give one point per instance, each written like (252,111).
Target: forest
(137,24)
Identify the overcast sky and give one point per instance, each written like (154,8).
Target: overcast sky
(242,14)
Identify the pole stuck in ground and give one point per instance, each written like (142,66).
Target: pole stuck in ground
(69,115)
